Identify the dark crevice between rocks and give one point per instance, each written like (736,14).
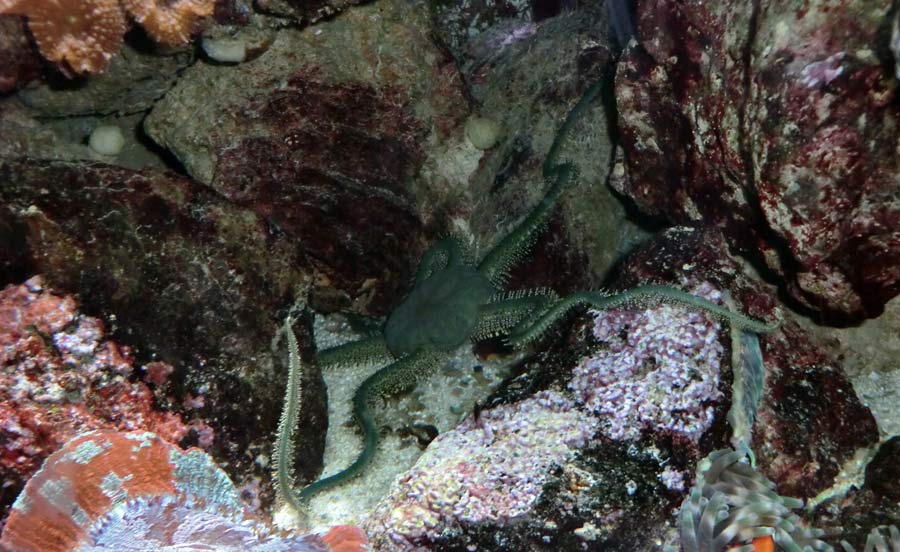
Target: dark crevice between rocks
(758,221)
(883,43)
(652,224)
(169,160)
(14,251)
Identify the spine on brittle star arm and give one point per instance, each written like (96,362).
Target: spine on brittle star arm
(577,112)
(398,377)
(642,295)
(507,309)
(365,351)
(514,246)
(284,444)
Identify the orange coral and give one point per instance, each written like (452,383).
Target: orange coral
(107,490)
(81,36)
(169,22)
(43,520)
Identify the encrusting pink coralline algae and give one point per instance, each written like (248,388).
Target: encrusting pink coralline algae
(659,371)
(656,369)
(488,469)
(114,491)
(60,376)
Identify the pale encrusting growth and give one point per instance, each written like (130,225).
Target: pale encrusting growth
(659,370)
(489,469)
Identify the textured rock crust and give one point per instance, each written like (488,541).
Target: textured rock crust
(617,490)
(184,275)
(810,422)
(19,64)
(778,123)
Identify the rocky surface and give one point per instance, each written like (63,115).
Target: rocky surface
(319,170)
(133,82)
(18,63)
(592,230)
(60,376)
(873,502)
(305,12)
(750,119)
(810,421)
(180,274)
(619,486)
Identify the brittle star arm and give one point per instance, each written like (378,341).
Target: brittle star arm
(559,176)
(398,377)
(532,328)
(368,350)
(507,309)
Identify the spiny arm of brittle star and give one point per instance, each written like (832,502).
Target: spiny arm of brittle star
(559,176)
(398,377)
(531,329)
(287,426)
(507,309)
(368,350)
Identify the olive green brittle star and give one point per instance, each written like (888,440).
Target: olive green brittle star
(455,300)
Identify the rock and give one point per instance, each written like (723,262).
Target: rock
(19,63)
(883,473)
(749,120)
(319,139)
(133,82)
(547,67)
(306,12)
(873,502)
(326,61)
(477,27)
(60,376)
(188,278)
(624,463)
(811,420)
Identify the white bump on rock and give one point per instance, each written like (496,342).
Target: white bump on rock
(107,140)
(482,132)
(225,50)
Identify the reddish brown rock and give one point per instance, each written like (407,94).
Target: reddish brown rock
(777,123)
(326,165)
(822,130)
(60,376)
(19,63)
(810,421)
(184,276)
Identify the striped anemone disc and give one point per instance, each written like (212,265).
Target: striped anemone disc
(108,490)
